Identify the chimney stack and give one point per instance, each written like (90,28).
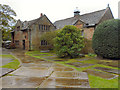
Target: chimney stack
(41,14)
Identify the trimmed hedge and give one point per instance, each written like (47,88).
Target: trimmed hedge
(105,40)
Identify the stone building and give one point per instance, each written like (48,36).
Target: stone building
(26,35)
(86,22)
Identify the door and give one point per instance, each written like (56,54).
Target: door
(24,44)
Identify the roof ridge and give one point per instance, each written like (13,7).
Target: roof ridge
(64,19)
(93,12)
(81,15)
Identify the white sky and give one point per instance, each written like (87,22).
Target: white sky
(57,9)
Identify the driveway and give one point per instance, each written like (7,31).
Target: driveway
(37,73)
(3,61)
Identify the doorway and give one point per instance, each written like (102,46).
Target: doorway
(24,44)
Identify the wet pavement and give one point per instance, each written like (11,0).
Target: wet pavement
(4,61)
(5,71)
(37,73)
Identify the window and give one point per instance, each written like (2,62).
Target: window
(39,26)
(82,32)
(16,42)
(43,42)
(44,27)
(18,28)
(48,27)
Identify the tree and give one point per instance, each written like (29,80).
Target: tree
(7,20)
(49,37)
(106,40)
(69,42)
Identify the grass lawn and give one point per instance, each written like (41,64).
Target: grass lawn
(94,81)
(12,65)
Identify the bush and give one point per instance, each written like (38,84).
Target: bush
(88,47)
(69,42)
(105,39)
(49,36)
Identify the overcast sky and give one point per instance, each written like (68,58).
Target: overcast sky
(57,9)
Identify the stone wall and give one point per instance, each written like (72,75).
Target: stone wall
(88,33)
(36,32)
(19,36)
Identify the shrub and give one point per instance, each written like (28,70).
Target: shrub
(69,42)
(49,36)
(88,47)
(105,39)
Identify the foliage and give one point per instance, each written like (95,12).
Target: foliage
(88,47)
(97,82)
(91,55)
(7,21)
(105,39)
(69,42)
(49,36)
(12,65)
(6,35)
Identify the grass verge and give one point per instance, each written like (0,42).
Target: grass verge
(12,65)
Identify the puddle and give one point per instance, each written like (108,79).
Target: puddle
(108,70)
(21,82)
(100,74)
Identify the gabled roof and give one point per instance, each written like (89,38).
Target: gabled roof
(26,24)
(89,18)
(92,18)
